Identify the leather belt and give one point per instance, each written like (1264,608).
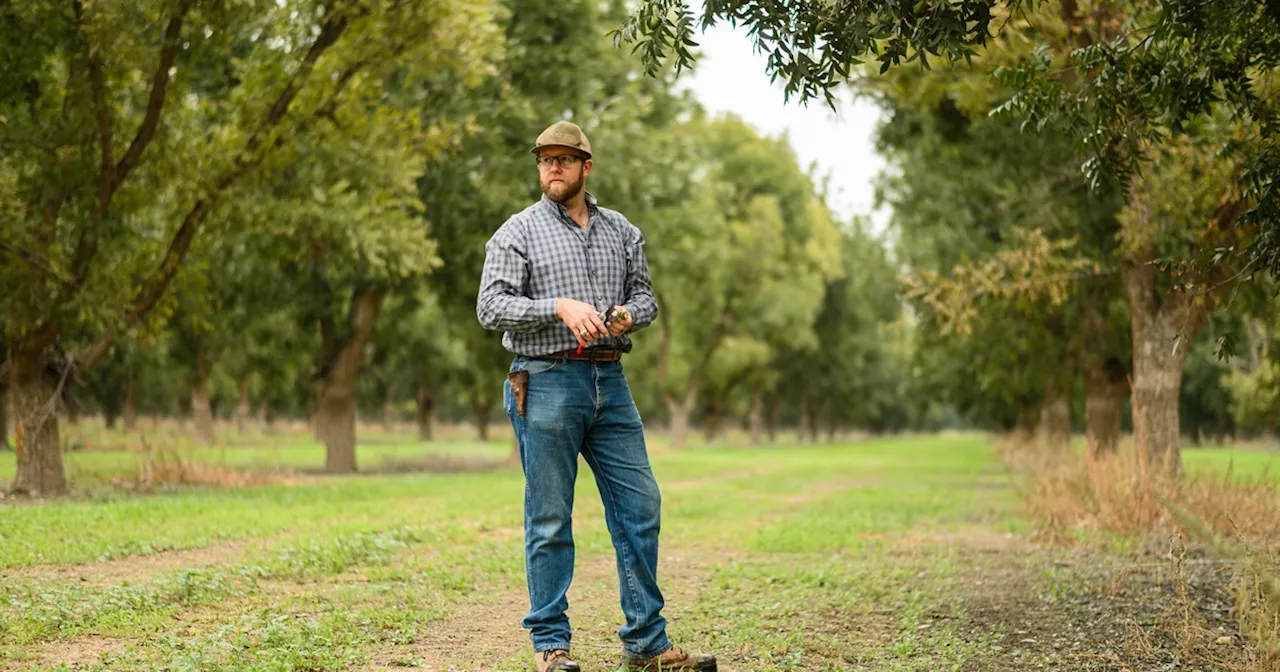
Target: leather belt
(587,355)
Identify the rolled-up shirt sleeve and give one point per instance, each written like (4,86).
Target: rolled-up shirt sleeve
(640,301)
(503,303)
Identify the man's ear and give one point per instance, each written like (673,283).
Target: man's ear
(586,167)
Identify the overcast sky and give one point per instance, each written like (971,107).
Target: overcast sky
(730,77)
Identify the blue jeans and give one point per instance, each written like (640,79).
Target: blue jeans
(572,408)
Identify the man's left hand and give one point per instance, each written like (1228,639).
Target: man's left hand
(621,323)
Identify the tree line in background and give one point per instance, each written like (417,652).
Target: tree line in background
(1066,164)
(272,209)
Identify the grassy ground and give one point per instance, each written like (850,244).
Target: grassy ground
(896,554)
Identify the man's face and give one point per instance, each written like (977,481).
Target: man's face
(562,173)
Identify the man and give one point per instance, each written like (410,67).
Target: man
(567,282)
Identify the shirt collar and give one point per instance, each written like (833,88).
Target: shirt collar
(590,199)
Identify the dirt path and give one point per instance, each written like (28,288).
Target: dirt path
(138,568)
(485,634)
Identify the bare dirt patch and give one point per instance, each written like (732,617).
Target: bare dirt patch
(1087,610)
(138,568)
(75,654)
(485,633)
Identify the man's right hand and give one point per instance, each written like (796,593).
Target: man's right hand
(582,318)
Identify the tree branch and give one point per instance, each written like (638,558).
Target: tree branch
(87,245)
(159,88)
(148,296)
(98,86)
(35,260)
(331,29)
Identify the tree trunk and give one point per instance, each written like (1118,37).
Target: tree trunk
(426,412)
(130,405)
(1164,324)
(4,418)
(1055,420)
(388,412)
(755,420)
(243,410)
(1103,406)
(712,423)
(201,409)
(335,426)
(812,423)
(110,417)
(1025,425)
(35,425)
(335,412)
(774,418)
(1105,382)
(802,426)
(678,412)
(480,416)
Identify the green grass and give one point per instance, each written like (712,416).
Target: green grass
(811,558)
(280,453)
(1240,461)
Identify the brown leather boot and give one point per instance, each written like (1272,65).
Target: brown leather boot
(555,660)
(674,658)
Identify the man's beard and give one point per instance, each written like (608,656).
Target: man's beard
(563,191)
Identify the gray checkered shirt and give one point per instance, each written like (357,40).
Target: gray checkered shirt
(541,254)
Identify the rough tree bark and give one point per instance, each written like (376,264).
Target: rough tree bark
(32,390)
(1164,324)
(334,417)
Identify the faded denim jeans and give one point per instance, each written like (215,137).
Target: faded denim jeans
(572,408)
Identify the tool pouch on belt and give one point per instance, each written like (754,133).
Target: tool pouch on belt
(519,387)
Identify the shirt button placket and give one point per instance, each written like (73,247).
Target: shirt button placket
(586,255)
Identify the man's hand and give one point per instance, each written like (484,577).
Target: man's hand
(582,319)
(621,323)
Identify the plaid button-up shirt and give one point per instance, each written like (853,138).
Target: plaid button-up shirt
(541,254)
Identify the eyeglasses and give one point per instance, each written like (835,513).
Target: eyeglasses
(564,160)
